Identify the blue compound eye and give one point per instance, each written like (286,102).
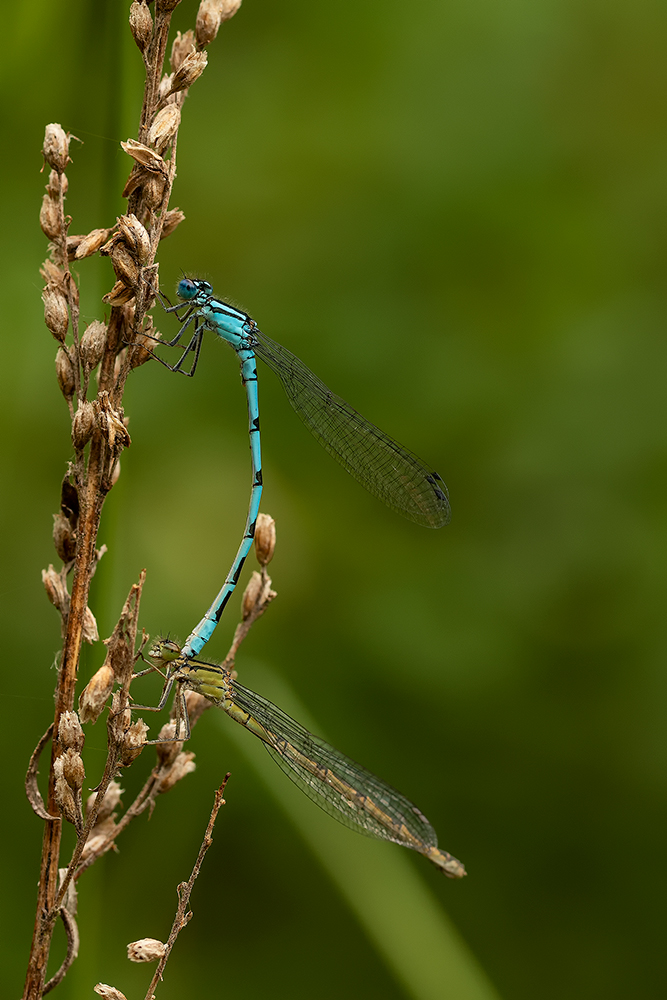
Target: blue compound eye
(187,289)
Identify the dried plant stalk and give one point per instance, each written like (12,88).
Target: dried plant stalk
(99,435)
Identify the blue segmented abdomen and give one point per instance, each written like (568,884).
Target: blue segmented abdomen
(204,630)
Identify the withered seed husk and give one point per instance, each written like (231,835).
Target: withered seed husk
(65,374)
(141,24)
(56,315)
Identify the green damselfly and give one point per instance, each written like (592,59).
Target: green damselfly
(341,787)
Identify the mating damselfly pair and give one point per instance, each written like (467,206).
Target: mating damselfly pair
(396,476)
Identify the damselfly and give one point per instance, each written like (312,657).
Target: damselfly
(384,467)
(340,786)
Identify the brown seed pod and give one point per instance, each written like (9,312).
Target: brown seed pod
(79,247)
(135,236)
(64,538)
(55,184)
(89,632)
(65,798)
(91,347)
(181,47)
(108,992)
(265,539)
(73,769)
(252,594)
(145,157)
(173,218)
(164,127)
(125,266)
(52,274)
(154,191)
(119,295)
(145,950)
(70,732)
(49,217)
(141,24)
(56,147)
(94,695)
(109,802)
(56,315)
(210,16)
(184,764)
(83,424)
(164,89)
(133,743)
(190,70)
(56,590)
(65,374)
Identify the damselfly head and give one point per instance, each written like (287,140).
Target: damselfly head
(164,650)
(189,288)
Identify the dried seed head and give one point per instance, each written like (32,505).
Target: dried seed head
(141,24)
(133,743)
(49,218)
(164,127)
(72,768)
(182,46)
(153,192)
(145,950)
(55,184)
(119,295)
(184,764)
(167,5)
(167,752)
(56,147)
(190,70)
(89,631)
(108,992)
(56,316)
(173,218)
(265,539)
(92,344)
(145,157)
(53,276)
(109,802)
(65,798)
(210,16)
(65,374)
(70,733)
(64,538)
(94,695)
(56,591)
(79,247)
(125,266)
(135,236)
(252,594)
(164,89)
(112,423)
(83,424)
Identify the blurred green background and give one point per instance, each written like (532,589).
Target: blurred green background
(456,214)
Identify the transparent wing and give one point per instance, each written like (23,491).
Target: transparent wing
(340,786)
(384,467)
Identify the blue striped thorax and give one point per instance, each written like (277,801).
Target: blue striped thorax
(232,324)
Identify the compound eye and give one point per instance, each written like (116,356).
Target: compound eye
(186,289)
